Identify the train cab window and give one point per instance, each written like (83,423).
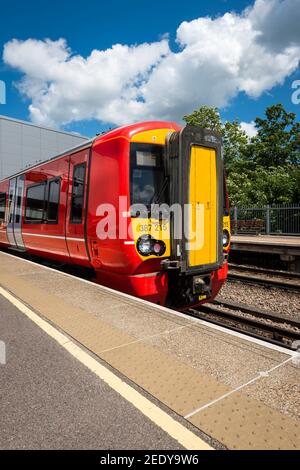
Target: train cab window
(147,179)
(53,201)
(35,203)
(78,194)
(2,206)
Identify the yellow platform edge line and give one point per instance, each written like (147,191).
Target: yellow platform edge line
(173,428)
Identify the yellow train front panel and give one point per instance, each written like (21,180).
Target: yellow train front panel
(203,207)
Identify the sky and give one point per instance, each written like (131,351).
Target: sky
(86,66)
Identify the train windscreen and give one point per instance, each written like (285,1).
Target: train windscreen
(147,178)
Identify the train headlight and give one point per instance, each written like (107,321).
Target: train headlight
(226,238)
(146,246)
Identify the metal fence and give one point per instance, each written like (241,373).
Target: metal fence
(274,219)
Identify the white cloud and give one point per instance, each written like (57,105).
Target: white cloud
(279,22)
(217,59)
(249,128)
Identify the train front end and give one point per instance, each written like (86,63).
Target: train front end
(179,214)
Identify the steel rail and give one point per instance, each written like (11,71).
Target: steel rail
(279,335)
(258,270)
(257,312)
(267,282)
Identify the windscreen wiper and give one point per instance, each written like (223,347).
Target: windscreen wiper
(156,197)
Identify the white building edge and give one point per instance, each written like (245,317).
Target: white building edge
(23,144)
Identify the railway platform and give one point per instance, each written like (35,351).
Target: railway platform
(205,386)
(287,247)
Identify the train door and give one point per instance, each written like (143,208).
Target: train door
(15,205)
(77,207)
(195,166)
(11,210)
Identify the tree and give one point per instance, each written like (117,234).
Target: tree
(235,140)
(278,138)
(261,186)
(264,169)
(296,174)
(206,117)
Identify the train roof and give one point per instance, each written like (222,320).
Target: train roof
(124,131)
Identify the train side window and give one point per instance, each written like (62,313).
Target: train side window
(78,193)
(2,206)
(35,203)
(53,201)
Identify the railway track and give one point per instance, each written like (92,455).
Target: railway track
(258,270)
(268,326)
(265,277)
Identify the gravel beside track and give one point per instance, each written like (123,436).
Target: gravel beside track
(269,299)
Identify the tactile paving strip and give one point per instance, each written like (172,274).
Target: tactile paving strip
(237,421)
(179,386)
(93,333)
(241,422)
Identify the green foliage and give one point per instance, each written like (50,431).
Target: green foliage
(235,143)
(264,169)
(206,117)
(261,186)
(278,138)
(296,176)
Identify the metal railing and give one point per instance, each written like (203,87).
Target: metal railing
(273,219)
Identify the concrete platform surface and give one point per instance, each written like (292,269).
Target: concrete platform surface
(239,391)
(288,247)
(51,401)
(267,239)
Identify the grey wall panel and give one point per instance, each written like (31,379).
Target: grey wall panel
(23,144)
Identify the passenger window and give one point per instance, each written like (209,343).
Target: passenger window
(35,203)
(53,201)
(78,194)
(2,206)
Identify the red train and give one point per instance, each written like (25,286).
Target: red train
(109,205)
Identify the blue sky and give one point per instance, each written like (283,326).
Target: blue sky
(89,25)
